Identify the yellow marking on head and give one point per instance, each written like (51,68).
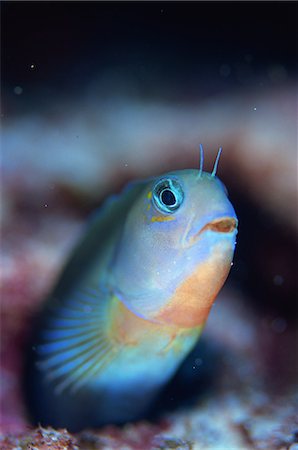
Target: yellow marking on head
(162,218)
(149,196)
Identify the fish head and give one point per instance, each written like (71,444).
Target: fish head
(179,240)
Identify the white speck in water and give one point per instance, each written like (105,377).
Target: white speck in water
(279,325)
(254,108)
(32,66)
(45,205)
(126,165)
(278,280)
(18,90)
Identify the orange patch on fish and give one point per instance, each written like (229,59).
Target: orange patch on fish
(193,299)
(129,329)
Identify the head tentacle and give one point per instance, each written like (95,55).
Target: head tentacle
(216,162)
(201,160)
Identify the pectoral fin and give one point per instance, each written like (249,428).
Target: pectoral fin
(76,345)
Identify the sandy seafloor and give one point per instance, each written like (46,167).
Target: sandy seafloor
(62,155)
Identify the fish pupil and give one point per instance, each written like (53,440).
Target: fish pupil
(168,198)
(167,195)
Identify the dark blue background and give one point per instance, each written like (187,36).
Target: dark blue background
(169,43)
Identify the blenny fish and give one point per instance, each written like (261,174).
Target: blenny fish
(132,301)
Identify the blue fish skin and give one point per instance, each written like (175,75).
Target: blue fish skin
(132,301)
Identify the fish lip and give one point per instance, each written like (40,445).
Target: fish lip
(223,225)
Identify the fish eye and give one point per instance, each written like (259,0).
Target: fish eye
(167,195)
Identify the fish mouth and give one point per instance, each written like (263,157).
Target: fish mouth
(224,225)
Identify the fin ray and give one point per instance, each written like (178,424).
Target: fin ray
(76,345)
(57,365)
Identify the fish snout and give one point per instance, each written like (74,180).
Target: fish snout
(222,225)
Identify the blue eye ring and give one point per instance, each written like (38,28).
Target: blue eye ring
(168,195)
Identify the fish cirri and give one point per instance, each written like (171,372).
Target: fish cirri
(132,300)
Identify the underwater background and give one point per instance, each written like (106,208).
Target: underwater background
(97,94)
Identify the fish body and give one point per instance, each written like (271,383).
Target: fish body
(132,300)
